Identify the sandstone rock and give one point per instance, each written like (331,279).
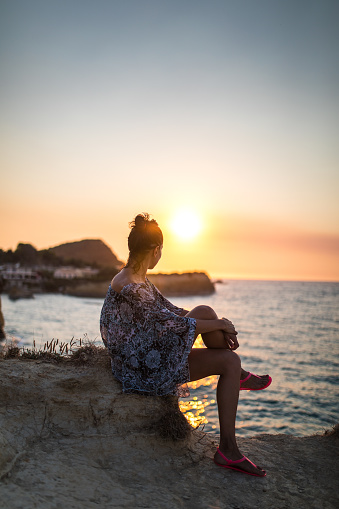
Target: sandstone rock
(70,439)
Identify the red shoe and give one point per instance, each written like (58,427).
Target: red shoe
(231,462)
(248,389)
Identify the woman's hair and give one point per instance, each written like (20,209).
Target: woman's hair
(145,235)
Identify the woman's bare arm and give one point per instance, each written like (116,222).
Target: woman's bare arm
(212,325)
(184,312)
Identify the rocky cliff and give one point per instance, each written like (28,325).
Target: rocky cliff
(90,251)
(70,439)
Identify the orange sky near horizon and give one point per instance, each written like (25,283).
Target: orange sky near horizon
(228,109)
(225,247)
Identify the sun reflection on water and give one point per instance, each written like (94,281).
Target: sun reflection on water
(194,409)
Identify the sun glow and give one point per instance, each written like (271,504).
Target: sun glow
(186,224)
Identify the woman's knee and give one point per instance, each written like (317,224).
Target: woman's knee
(203,313)
(208,361)
(231,360)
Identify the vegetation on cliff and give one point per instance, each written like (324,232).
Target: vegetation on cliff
(93,252)
(27,255)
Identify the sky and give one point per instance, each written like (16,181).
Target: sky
(224,110)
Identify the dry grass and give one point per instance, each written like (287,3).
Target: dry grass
(77,351)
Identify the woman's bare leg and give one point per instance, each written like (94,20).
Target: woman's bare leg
(205,362)
(217,340)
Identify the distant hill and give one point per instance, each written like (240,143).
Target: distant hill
(90,251)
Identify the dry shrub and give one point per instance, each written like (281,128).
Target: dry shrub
(10,352)
(172,424)
(90,354)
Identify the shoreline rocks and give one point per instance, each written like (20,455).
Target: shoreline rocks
(70,438)
(170,285)
(185,284)
(90,289)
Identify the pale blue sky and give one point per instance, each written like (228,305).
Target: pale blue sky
(112,107)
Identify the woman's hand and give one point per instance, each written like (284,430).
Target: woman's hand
(227,326)
(219,324)
(230,334)
(231,341)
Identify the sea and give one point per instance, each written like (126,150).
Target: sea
(287,329)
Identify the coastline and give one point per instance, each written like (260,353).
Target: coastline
(170,285)
(70,438)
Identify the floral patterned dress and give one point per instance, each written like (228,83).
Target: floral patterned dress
(147,339)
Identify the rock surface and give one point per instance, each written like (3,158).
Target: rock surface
(70,439)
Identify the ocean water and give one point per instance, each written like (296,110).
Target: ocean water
(287,329)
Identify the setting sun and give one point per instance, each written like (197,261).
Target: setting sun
(186,224)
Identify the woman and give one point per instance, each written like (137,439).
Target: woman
(150,342)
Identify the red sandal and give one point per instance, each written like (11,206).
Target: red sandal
(232,462)
(257,376)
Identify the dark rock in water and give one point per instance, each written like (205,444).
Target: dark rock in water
(188,283)
(90,251)
(17,292)
(91,289)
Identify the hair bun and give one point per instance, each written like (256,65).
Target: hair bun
(141,220)
(145,235)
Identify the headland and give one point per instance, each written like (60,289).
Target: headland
(81,269)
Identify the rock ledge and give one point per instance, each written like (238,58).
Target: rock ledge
(70,438)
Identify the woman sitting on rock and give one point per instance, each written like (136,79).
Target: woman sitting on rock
(150,342)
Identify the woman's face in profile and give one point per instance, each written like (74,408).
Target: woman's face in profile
(156,256)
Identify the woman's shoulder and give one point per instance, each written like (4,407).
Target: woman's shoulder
(120,281)
(117,284)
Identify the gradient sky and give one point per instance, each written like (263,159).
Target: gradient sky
(228,108)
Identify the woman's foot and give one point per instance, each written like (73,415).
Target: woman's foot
(254,383)
(230,459)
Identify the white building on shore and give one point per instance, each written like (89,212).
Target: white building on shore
(17,275)
(74,273)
